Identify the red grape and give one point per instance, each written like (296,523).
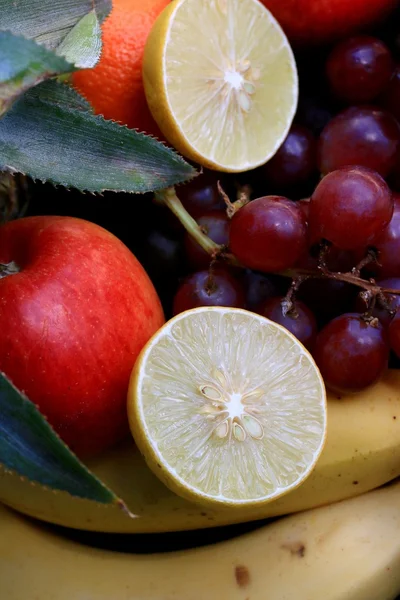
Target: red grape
(359,68)
(201,194)
(312,114)
(327,298)
(388,246)
(360,135)
(162,256)
(205,288)
(336,260)
(394,334)
(391,97)
(351,353)
(394,178)
(392,300)
(216,226)
(301,323)
(304,206)
(295,161)
(258,287)
(268,234)
(164,260)
(344,260)
(350,207)
(198,196)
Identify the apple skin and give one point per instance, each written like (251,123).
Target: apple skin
(311,22)
(72,323)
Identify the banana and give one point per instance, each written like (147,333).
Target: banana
(362,452)
(345,551)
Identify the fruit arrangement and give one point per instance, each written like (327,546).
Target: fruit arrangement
(230,351)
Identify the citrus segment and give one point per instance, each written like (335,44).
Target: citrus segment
(227,407)
(220,79)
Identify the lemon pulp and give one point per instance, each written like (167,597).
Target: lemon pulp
(227,407)
(221,81)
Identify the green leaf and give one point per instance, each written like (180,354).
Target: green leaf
(30,447)
(82,45)
(50,135)
(23,64)
(41,40)
(48,21)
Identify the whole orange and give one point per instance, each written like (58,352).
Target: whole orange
(114,86)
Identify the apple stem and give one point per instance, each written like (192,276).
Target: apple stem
(10,268)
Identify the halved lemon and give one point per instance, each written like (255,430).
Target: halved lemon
(221,81)
(227,407)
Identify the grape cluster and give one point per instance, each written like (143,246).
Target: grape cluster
(317,245)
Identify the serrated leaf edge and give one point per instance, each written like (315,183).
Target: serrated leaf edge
(60,50)
(26,400)
(118,502)
(99,116)
(7,103)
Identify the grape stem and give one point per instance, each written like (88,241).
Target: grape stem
(168,197)
(288,306)
(242,199)
(368,285)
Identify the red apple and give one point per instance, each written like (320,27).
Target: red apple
(309,22)
(72,321)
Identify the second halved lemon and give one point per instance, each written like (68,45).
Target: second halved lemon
(221,81)
(227,407)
